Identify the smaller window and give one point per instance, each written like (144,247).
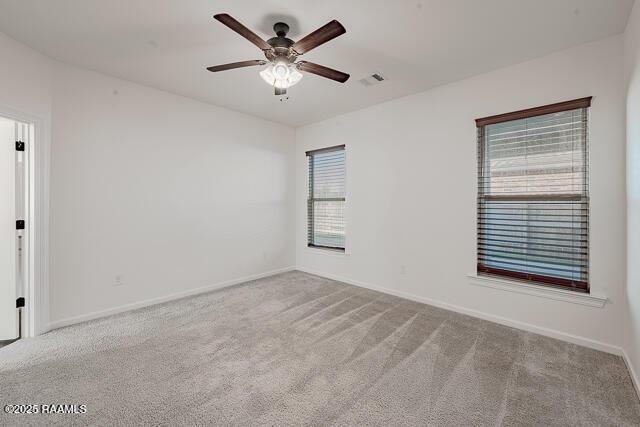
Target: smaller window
(325,204)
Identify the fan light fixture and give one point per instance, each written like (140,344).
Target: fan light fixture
(281,53)
(281,75)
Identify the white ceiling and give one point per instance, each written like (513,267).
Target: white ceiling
(417,44)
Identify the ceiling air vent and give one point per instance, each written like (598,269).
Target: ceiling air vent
(373,79)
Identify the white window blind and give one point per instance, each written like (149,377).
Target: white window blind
(533,195)
(326,201)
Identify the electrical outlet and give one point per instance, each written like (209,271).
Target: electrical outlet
(119,280)
(403,270)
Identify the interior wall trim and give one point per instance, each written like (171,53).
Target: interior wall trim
(541,291)
(574,339)
(36,292)
(552,333)
(158,300)
(632,372)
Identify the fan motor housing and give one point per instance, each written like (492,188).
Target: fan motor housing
(281,44)
(279,52)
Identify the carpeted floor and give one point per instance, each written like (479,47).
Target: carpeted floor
(300,349)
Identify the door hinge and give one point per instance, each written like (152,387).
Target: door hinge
(19,146)
(20,224)
(20,302)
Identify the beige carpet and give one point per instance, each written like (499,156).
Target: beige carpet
(299,349)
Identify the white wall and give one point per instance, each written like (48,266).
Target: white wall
(411,189)
(168,192)
(632,80)
(25,79)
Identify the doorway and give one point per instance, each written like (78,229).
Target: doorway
(15,143)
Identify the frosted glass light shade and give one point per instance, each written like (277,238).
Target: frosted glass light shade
(290,79)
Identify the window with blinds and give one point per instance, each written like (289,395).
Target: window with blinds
(533,195)
(325,204)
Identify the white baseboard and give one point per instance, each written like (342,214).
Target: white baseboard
(586,342)
(632,372)
(552,333)
(177,295)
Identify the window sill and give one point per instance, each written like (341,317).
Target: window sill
(538,291)
(327,251)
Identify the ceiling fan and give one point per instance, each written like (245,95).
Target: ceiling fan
(283,71)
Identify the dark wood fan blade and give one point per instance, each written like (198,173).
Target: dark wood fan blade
(323,71)
(320,36)
(236,26)
(233,65)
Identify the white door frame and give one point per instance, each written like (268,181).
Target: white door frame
(36,247)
